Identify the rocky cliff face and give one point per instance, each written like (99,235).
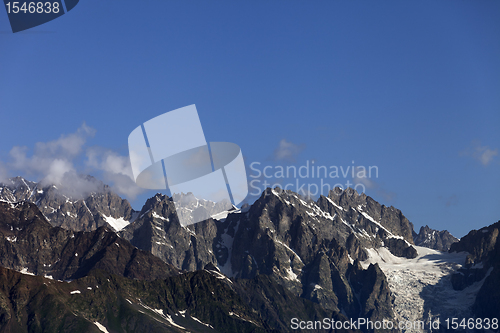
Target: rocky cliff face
(482,265)
(157,230)
(311,247)
(434,239)
(29,244)
(195,302)
(93,206)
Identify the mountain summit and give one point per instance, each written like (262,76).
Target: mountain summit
(434,239)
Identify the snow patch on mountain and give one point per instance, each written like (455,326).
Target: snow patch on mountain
(333,203)
(158,216)
(11,239)
(162,314)
(289,249)
(199,321)
(101,327)
(117,223)
(26,272)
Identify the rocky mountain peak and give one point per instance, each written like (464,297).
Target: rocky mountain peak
(19,215)
(80,203)
(482,266)
(483,245)
(372,216)
(434,239)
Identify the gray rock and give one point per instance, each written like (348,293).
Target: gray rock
(434,239)
(482,263)
(400,248)
(30,245)
(93,206)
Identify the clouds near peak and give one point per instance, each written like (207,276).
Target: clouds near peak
(59,161)
(287,151)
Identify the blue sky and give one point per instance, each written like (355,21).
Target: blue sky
(412,87)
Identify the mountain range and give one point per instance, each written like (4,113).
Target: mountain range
(342,256)
(93,206)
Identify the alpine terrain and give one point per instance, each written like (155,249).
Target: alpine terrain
(89,262)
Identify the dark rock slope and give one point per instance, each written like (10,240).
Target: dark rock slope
(482,263)
(29,244)
(195,302)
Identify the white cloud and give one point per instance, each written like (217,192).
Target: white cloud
(116,170)
(108,161)
(67,145)
(287,151)
(56,171)
(123,185)
(483,154)
(59,162)
(50,160)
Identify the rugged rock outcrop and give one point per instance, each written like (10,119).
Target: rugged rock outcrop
(92,206)
(482,245)
(400,248)
(157,230)
(29,244)
(373,293)
(482,264)
(434,239)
